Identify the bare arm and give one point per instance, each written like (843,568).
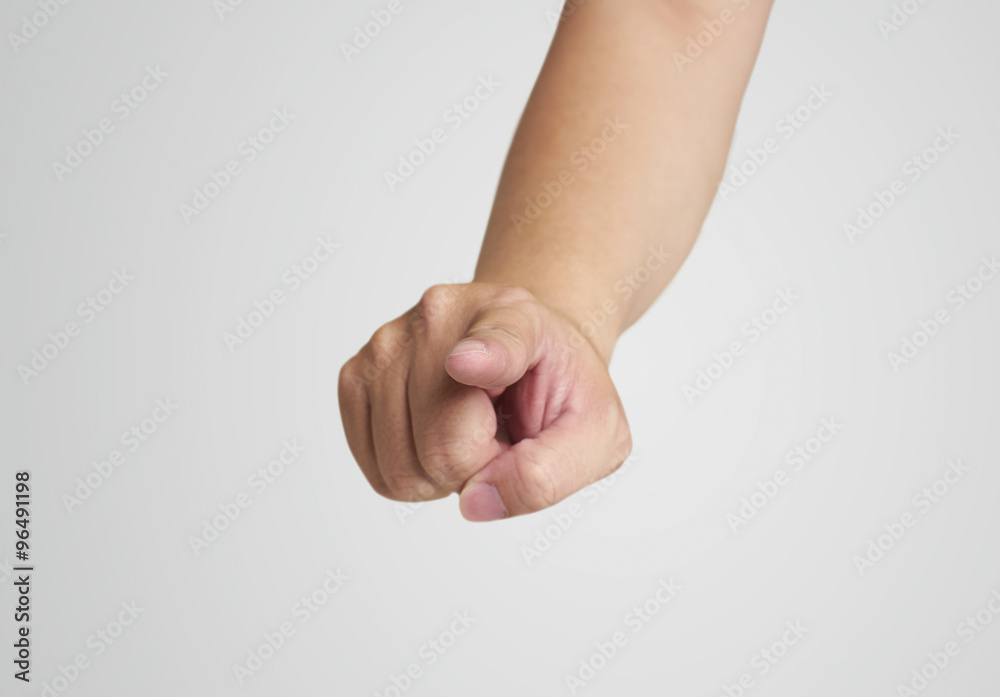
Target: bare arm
(645,183)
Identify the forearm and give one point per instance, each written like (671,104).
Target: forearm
(583,207)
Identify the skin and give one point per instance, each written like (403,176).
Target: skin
(499,390)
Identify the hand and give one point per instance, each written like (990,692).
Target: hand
(482,390)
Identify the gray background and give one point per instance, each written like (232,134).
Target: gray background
(663,518)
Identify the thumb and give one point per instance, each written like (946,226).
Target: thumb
(536,473)
(502,344)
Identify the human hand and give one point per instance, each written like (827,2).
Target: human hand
(420,404)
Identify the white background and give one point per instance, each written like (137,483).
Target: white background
(411,570)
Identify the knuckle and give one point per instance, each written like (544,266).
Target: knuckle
(385,346)
(434,304)
(514,295)
(345,381)
(438,295)
(350,381)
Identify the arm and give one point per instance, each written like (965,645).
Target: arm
(645,184)
(498,390)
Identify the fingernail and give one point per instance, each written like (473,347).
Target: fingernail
(481,503)
(468,346)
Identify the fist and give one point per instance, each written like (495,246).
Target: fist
(484,391)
